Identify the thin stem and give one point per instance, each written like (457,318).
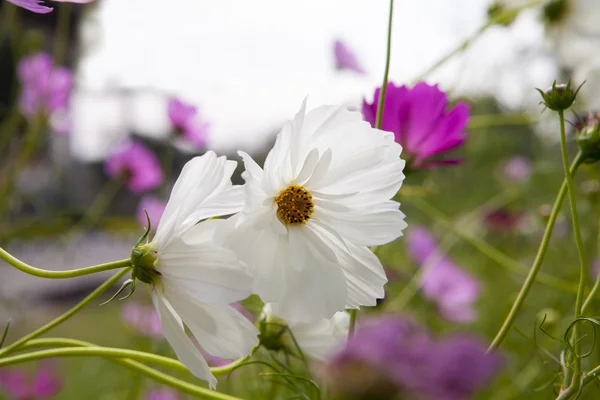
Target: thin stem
(388,55)
(73,273)
(537,263)
(491,252)
(61,40)
(596,286)
(580,247)
(165,361)
(40,331)
(83,350)
(464,45)
(352,326)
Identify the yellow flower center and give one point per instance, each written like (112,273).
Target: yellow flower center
(294,205)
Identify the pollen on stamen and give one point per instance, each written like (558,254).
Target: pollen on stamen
(294,205)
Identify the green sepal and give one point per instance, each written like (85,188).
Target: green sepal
(128,282)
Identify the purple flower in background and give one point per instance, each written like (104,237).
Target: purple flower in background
(391,356)
(345,58)
(37,6)
(162,394)
(45,88)
(142,319)
(503,219)
(155,208)
(517,169)
(453,290)
(461,368)
(19,385)
(136,165)
(184,118)
(386,356)
(421,122)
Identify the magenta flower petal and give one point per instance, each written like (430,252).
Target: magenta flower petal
(421,122)
(162,394)
(45,88)
(452,289)
(46,383)
(155,208)
(15,383)
(136,165)
(185,120)
(32,5)
(345,58)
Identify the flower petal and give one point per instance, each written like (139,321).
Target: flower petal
(220,329)
(175,334)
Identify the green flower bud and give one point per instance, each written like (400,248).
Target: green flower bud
(555,10)
(272,330)
(559,97)
(588,140)
(501,15)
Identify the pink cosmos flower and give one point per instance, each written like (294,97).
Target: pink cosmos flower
(184,118)
(155,208)
(37,6)
(19,385)
(517,169)
(421,122)
(45,88)
(345,59)
(452,289)
(136,165)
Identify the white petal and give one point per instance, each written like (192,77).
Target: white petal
(370,227)
(202,269)
(311,161)
(175,334)
(220,329)
(202,190)
(364,273)
(317,291)
(321,339)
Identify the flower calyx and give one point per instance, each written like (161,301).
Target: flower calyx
(272,331)
(559,97)
(143,258)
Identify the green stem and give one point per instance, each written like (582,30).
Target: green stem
(464,45)
(40,331)
(82,349)
(61,40)
(73,273)
(537,263)
(580,248)
(352,326)
(596,286)
(388,55)
(491,252)
(164,361)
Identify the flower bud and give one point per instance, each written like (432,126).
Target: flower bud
(588,139)
(559,97)
(554,10)
(272,330)
(500,14)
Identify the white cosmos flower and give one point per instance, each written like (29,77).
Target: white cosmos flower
(320,339)
(322,198)
(194,278)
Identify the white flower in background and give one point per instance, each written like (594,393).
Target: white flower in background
(573,29)
(310,215)
(194,278)
(317,340)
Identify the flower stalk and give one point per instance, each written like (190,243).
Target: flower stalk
(537,263)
